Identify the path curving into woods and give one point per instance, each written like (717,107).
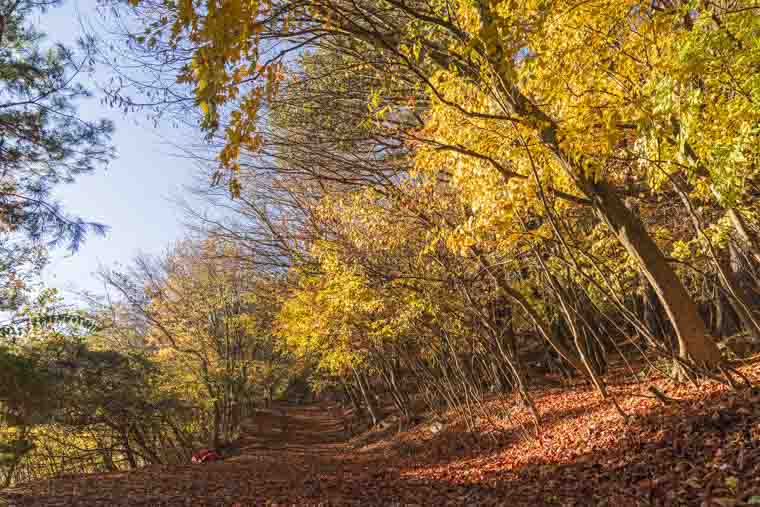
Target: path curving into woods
(308,464)
(701,449)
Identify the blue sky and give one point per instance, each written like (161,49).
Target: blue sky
(131,195)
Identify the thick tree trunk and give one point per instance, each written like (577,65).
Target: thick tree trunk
(694,339)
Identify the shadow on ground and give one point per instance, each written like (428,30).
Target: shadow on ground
(685,454)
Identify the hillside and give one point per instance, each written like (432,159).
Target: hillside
(699,449)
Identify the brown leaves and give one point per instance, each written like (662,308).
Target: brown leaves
(702,451)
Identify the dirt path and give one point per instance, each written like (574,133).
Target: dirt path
(701,450)
(308,465)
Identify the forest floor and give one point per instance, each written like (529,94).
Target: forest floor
(702,449)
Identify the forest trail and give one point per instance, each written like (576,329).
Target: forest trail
(701,449)
(308,464)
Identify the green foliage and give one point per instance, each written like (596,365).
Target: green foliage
(44,142)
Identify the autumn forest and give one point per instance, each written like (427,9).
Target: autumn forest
(492,245)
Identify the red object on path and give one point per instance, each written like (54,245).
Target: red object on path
(206,455)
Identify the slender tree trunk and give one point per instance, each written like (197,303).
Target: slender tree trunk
(368,401)
(654,320)
(179,435)
(543,327)
(534,316)
(217,423)
(748,239)
(148,448)
(742,270)
(128,452)
(726,321)
(353,398)
(739,299)
(398,392)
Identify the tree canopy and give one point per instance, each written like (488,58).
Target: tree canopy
(414,204)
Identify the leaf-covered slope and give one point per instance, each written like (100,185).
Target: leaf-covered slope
(698,450)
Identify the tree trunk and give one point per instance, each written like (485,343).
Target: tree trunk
(694,340)
(739,299)
(353,398)
(543,328)
(368,401)
(725,318)
(148,448)
(215,435)
(748,239)
(534,316)
(652,315)
(128,452)
(555,363)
